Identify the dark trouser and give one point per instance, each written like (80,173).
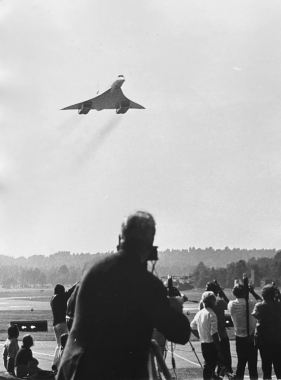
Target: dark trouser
(11,365)
(210,355)
(270,354)
(225,346)
(246,352)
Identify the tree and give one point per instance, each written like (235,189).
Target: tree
(63,274)
(240,269)
(8,282)
(201,275)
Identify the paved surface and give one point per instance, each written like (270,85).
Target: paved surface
(184,356)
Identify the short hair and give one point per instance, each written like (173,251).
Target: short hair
(268,292)
(63,339)
(13,331)
(208,296)
(59,289)
(138,228)
(27,341)
(239,291)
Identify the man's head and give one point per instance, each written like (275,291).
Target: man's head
(209,298)
(59,289)
(212,287)
(268,292)
(239,291)
(13,331)
(27,341)
(137,233)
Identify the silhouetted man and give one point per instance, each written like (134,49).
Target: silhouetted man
(118,305)
(59,304)
(268,331)
(246,350)
(219,308)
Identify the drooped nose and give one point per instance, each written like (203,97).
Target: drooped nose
(121,79)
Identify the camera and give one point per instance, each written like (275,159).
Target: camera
(153,254)
(171,289)
(213,286)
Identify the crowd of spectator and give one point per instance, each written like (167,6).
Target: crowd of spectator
(257,327)
(107,325)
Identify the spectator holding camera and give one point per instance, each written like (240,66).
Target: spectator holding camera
(268,331)
(219,308)
(205,327)
(245,347)
(118,305)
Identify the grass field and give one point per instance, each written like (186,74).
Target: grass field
(17,305)
(34,304)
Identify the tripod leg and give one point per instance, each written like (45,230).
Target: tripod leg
(193,349)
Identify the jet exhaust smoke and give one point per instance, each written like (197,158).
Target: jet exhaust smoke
(94,144)
(69,125)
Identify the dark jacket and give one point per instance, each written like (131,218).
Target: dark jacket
(59,304)
(118,306)
(23,356)
(268,327)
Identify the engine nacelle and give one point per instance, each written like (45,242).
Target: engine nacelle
(123,107)
(86,107)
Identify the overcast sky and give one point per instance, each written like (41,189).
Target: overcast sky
(204,157)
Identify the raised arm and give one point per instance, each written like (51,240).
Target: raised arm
(251,290)
(222,294)
(70,290)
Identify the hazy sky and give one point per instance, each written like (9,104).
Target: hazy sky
(204,157)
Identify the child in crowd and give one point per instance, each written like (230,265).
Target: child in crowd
(25,363)
(205,327)
(11,348)
(63,340)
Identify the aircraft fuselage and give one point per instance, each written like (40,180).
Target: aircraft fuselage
(117,84)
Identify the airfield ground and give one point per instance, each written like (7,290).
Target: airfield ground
(17,304)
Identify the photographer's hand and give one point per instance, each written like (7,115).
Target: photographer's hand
(184,297)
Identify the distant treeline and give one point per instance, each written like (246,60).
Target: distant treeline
(267,269)
(182,262)
(39,270)
(222,264)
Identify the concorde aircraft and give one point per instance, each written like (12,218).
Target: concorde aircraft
(113,98)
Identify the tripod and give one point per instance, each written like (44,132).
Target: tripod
(193,349)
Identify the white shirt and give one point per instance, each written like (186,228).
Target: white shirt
(11,347)
(206,322)
(237,310)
